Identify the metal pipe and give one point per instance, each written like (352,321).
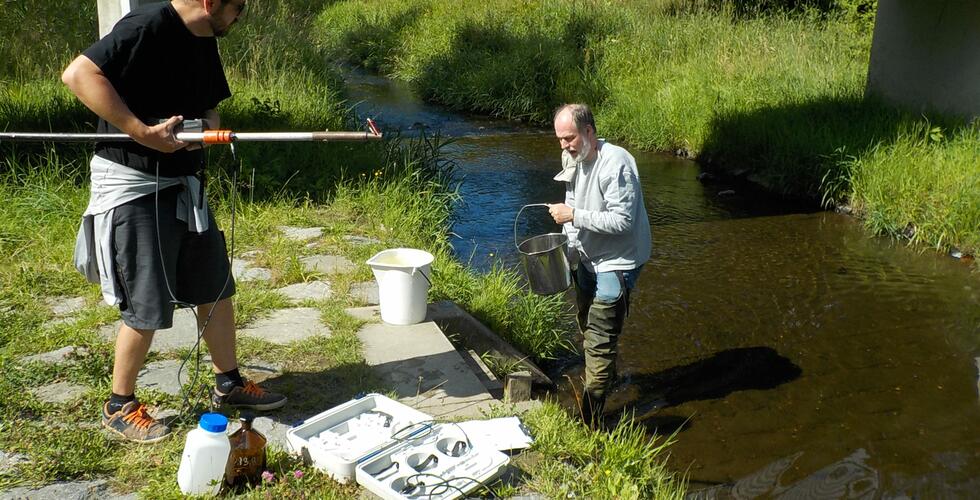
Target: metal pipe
(193,137)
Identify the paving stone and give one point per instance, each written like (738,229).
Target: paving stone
(182,334)
(314,290)
(361,240)
(288,325)
(273,429)
(59,392)
(165,415)
(64,306)
(371,313)
(327,264)
(249,255)
(301,233)
(366,292)
(76,490)
(10,461)
(529,496)
(244,271)
(49,325)
(423,369)
(162,375)
(56,356)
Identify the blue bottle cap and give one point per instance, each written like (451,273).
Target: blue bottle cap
(214,422)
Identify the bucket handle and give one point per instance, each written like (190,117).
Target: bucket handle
(518,216)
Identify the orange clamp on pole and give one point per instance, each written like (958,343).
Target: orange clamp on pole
(218,136)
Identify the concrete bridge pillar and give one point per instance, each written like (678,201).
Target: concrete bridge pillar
(111,11)
(925,56)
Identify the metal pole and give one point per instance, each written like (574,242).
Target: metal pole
(194,137)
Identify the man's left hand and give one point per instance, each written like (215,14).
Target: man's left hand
(561,212)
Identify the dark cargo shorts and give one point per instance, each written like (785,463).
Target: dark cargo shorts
(195,267)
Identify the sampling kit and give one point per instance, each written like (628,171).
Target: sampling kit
(391,449)
(395,451)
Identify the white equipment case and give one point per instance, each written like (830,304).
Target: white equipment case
(395,451)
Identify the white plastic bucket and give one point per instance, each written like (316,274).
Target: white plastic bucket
(403,284)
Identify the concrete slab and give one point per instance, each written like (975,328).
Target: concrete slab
(314,290)
(273,429)
(490,381)
(248,255)
(10,461)
(301,233)
(56,356)
(65,306)
(244,270)
(361,240)
(287,325)
(371,313)
(59,392)
(473,334)
(366,292)
(75,490)
(182,334)
(423,369)
(162,375)
(327,264)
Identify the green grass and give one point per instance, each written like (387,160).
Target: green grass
(925,185)
(623,463)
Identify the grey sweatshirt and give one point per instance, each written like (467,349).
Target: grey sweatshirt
(609,229)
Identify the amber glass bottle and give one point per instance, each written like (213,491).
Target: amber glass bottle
(247,459)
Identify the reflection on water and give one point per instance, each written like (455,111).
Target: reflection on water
(794,355)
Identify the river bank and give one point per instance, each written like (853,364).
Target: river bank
(776,98)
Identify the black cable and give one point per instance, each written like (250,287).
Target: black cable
(443,482)
(442,486)
(196,349)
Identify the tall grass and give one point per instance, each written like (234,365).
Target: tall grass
(923,185)
(579,463)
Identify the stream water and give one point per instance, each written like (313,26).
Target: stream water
(792,354)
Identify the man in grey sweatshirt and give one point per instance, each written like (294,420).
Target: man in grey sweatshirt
(608,239)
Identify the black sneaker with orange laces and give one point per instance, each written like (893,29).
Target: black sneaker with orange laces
(133,423)
(248,397)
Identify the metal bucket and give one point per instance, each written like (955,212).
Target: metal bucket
(545,260)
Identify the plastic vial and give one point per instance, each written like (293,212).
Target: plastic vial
(247,459)
(202,466)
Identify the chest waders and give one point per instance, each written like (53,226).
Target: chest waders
(600,323)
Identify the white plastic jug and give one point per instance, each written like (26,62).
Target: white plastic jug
(202,466)
(403,276)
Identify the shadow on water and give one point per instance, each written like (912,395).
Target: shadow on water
(714,377)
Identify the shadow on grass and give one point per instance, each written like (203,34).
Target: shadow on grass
(370,43)
(791,149)
(492,70)
(312,392)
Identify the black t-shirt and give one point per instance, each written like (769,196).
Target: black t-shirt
(160,69)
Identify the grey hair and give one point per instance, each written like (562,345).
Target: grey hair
(581,115)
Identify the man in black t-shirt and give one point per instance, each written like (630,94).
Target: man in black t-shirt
(148,232)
